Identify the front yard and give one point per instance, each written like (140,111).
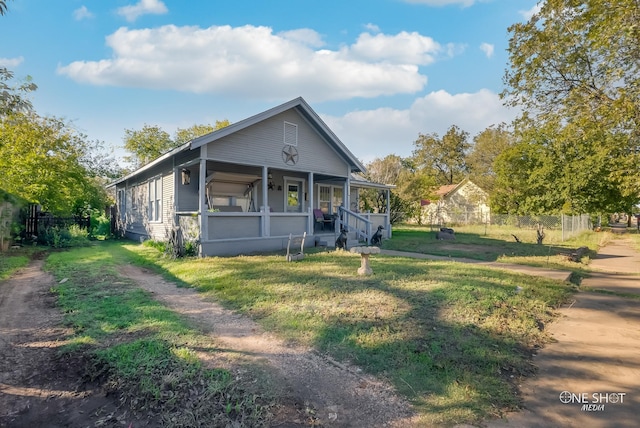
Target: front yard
(455,339)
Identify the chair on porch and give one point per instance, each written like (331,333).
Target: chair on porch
(321,220)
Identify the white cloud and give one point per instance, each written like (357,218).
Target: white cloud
(82,13)
(143,7)
(528,14)
(254,62)
(373,28)
(304,36)
(402,48)
(11,62)
(487,49)
(378,133)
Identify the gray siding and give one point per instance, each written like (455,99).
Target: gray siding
(187,196)
(262,144)
(284,225)
(225,227)
(136,222)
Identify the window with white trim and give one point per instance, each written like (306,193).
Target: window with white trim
(324,199)
(290,134)
(338,198)
(155,199)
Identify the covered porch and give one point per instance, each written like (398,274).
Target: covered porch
(235,209)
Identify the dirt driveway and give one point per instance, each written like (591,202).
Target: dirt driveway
(38,387)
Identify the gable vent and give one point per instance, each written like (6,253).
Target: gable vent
(290,134)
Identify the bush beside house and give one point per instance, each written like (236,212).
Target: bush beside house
(10,225)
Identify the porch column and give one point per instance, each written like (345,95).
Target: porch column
(266,220)
(347,192)
(387,225)
(311,205)
(202,205)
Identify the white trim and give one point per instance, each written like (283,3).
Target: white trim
(155,205)
(302,191)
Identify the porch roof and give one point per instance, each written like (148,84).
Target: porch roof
(361,182)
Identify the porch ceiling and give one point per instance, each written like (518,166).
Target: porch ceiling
(233,177)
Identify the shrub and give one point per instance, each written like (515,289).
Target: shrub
(100,225)
(158,245)
(63,237)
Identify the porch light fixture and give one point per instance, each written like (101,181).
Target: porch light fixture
(270,184)
(186,176)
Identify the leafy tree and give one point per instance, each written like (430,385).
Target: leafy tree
(411,187)
(44,161)
(386,171)
(443,158)
(147,144)
(3,7)
(575,72)
(151,142)
(182,136)
(13,96)
(488,144)
(546,171)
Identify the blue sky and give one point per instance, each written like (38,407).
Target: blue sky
(379,72)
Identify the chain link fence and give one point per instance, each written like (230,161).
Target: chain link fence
(565,226)
(568,225)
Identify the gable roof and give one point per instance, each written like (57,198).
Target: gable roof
(444,191)
(301,107)
(305,110)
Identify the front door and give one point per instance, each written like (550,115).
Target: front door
(294,196)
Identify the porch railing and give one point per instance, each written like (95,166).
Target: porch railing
(355,223)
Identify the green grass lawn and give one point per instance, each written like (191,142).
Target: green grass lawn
(454,338)
(13,260)
(498,244)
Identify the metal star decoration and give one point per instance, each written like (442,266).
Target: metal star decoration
(290,155)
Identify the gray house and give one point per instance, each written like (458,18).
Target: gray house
(246,187)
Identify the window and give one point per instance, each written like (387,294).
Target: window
(155,199)
(337,198)
(324,199)
(290,134)
(122,204)
(135,193)
(330,198)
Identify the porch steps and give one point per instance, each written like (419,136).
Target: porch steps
(329,241)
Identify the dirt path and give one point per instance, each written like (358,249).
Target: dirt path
(336,394)
(38,388)
(596,352)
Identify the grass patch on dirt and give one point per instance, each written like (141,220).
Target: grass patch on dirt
(144,351)
(15,259)
(454,338)
(9,264)
(635,239)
